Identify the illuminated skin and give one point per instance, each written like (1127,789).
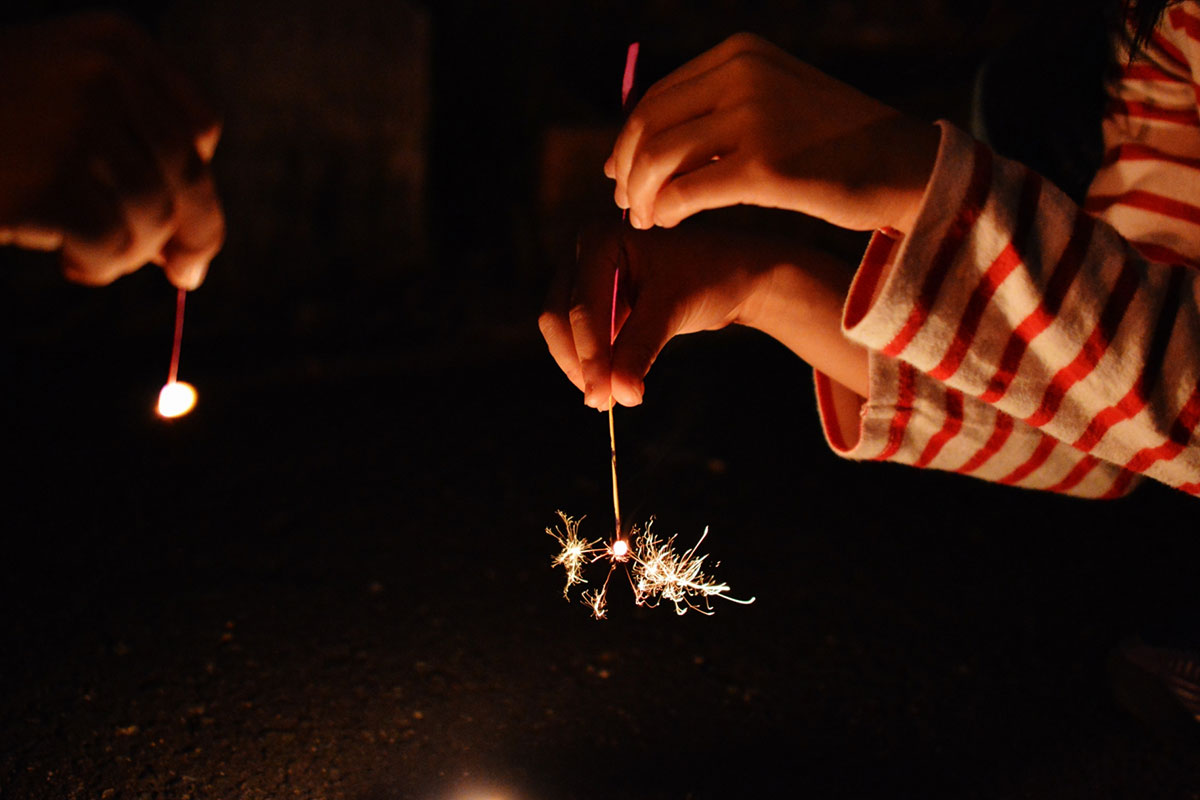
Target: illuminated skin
(104,153)
(743,123)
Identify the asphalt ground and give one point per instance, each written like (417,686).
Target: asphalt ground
(332,581)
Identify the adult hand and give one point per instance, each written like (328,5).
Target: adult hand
(104,153)
(676,282)
(747,123)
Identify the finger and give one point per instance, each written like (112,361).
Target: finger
(688,101)
(718,184)
(31,237)
(674,152)
(590,316)
(740,44)
(95,232)
(206,142)
(182,133)
(555,324)
(119,212)
(199,232)
(650,325)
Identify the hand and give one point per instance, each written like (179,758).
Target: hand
(747,123)
(104,153)
(676,282)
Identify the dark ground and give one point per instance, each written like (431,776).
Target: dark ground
(331,581)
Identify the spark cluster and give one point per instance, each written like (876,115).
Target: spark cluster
(656,570)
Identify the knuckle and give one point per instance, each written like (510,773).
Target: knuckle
(163,209)
(121,242)
(547,324)
(578,314)
(643,164)
(635,126)
(743,41)
(747,66)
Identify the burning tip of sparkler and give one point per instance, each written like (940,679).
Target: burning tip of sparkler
(620,549)
(176,399)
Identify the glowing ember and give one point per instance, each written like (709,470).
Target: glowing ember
(176,399)
(657,573)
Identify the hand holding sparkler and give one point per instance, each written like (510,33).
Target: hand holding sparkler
(104,153)
(681,281)
(656,571)
(747,123)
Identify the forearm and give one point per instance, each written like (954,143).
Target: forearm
(1007,293)
(799,303)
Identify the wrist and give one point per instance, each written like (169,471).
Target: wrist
(910,154)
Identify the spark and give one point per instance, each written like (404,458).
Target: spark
(576,551)
(598,601)
(657,571)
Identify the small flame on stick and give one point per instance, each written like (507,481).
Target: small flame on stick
(176,397)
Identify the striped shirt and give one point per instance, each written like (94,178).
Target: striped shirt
(1019,338)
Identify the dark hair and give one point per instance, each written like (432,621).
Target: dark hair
(1143,17)
(1042,95)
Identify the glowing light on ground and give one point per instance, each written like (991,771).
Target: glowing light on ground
(176,399)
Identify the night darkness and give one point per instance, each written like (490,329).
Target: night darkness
(331,579)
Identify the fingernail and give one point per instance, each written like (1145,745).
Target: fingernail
(191,277)
(609,170)
(636,221)
(627,395)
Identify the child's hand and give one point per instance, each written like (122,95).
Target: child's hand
(671,283)
(104,153)
(675,282)
(747,123)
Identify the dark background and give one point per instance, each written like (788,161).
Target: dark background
(331,581)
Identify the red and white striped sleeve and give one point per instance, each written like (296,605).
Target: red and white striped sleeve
(1017,338)
(1148,185)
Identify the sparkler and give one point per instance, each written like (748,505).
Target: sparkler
(176,397)
(656,571)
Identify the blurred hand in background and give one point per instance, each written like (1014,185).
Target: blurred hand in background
(104,152)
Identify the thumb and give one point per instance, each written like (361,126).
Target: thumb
(206,142)
(647,330)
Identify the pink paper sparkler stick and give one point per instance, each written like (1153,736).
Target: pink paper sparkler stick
(174,370)
(176,397)
(631,56)
(630,68)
